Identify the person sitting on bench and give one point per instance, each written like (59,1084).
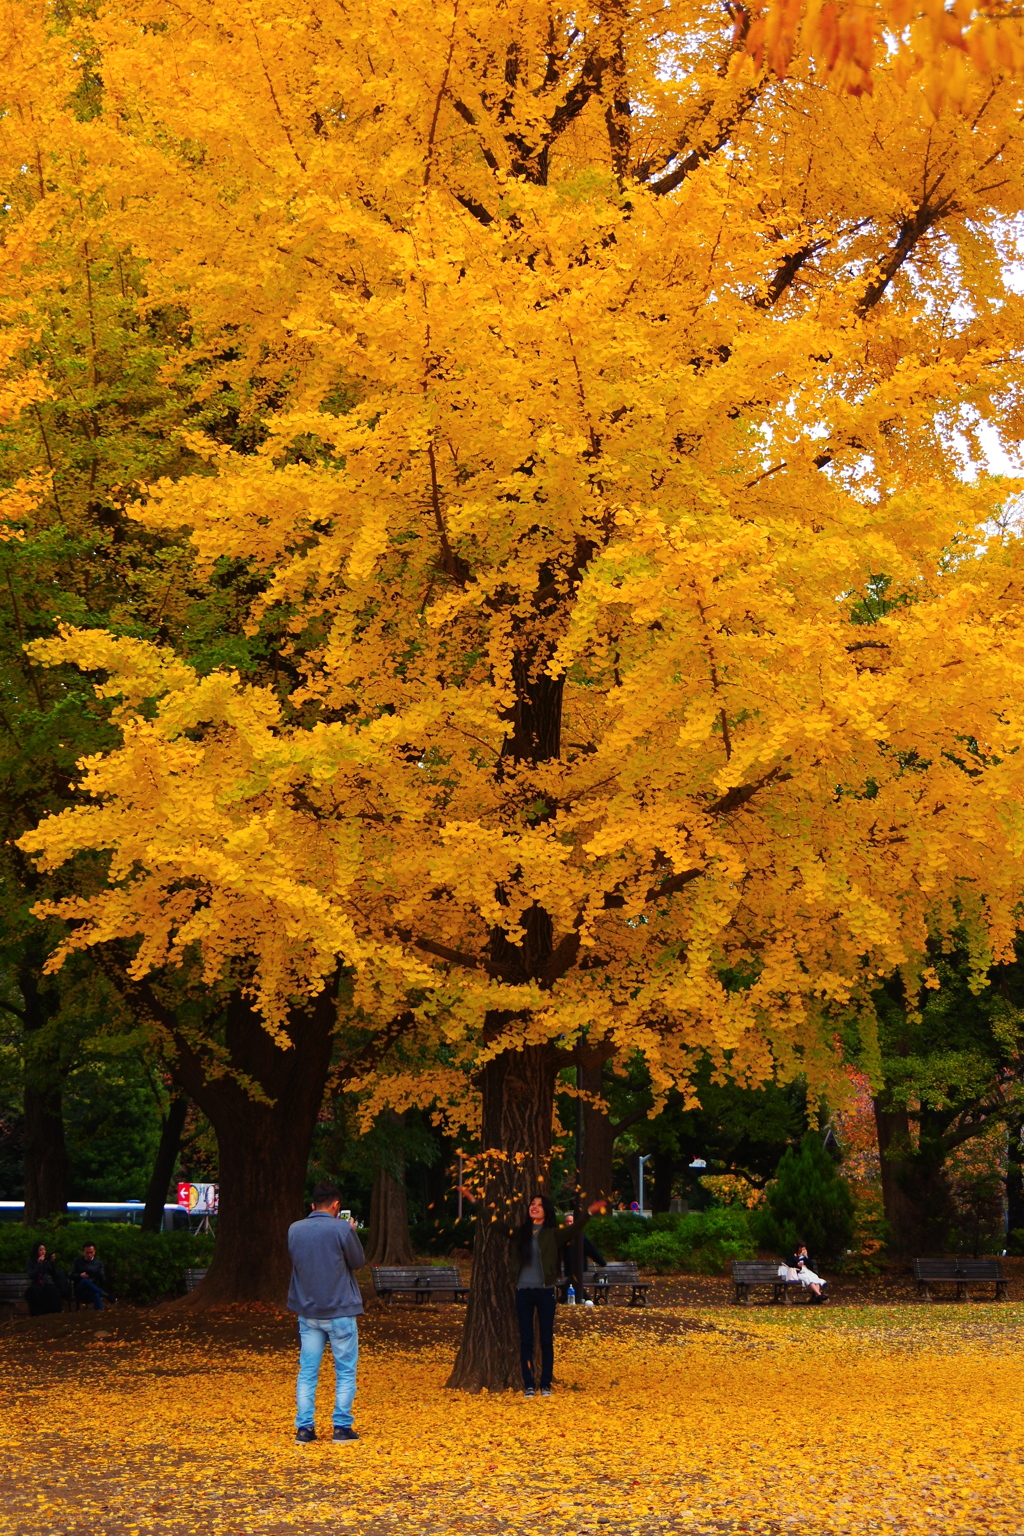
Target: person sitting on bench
(798,1267)
(46,1284)
(89,1277)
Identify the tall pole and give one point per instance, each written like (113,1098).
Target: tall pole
(642,1161)
(460,1188)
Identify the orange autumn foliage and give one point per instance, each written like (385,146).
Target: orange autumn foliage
(653,670)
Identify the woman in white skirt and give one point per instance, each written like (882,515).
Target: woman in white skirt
(799,1268)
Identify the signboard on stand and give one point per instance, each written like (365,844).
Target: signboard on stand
(199,1200)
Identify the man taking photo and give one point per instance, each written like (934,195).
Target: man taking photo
(325,1254)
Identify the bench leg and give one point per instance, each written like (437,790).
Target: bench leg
(1001,1293)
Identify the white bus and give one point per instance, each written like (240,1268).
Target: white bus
(175,1216)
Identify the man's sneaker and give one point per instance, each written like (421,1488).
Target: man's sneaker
(305,1435)
(345,1434)
(529,1392)
(545,1391)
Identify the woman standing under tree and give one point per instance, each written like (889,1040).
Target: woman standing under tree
(533,1267)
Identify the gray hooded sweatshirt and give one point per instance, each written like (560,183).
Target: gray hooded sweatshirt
(325,1253)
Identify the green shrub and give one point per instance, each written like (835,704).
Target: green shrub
(141,1266)
(808,1202)
(702,1242)
(609,1233)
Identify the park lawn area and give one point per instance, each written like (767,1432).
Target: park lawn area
(887,1419)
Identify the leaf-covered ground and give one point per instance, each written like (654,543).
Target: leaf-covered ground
(698,1420)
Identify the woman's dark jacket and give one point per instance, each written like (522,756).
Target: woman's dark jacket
(46,1273)
(550,1240)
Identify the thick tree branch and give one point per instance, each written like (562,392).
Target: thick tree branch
(911,231)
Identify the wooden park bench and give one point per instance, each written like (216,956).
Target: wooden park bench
(746,1273)
(12,1293)
(617,1275)
(193,1277)
(12,1290)
(961,1273)
(419,1280)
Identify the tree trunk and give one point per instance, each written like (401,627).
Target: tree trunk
(263,1145)
(389,1241)
(46,1157)
(518,1089)
(598,1133)
(915,1185)
(163,1166)
(894,1151)
(1015,1179)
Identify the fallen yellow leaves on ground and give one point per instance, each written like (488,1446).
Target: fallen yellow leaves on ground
(860,1419)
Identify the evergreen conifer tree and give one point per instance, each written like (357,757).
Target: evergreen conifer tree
(809,1202)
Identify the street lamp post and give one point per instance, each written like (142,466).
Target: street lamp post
(645,1159)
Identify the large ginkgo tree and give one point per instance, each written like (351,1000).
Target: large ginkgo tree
(655,658)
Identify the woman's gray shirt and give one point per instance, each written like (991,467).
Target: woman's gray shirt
(531,1273)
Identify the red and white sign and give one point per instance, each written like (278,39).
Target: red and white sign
(200,1199)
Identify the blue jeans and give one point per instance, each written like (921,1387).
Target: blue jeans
(314,1332)
(88,1290)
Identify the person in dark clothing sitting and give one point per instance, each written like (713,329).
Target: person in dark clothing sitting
(46,1284)
(90,1277)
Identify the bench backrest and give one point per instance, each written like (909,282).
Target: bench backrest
(957,1269)
(935,1269)
(617,1272)
(193,1278)
(421,1277)
(753,1272)
(13,1287)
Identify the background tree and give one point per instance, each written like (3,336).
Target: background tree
(101,388)
(807,1203)
(951,1058)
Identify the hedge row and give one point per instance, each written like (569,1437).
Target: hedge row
(702,1242)
(141,1266)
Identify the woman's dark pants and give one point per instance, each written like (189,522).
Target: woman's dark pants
(539,1299)
(43,1299)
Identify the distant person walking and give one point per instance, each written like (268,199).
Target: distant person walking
(325,1254)
(533,1268)
(89,1277)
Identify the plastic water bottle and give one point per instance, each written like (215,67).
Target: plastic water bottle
(570,1296)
